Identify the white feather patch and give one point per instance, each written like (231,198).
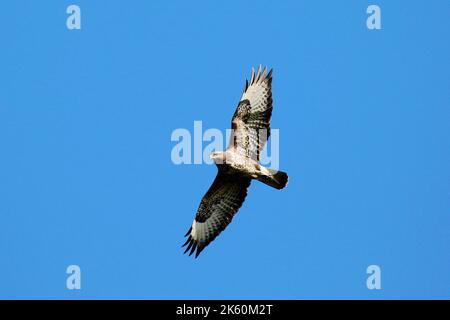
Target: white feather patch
(198,232)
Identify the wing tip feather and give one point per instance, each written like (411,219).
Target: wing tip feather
(259,76)
(193,247)
(189,231)
(269,75)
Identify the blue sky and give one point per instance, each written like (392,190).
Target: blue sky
(86,176)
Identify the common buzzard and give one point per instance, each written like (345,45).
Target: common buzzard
(238,165)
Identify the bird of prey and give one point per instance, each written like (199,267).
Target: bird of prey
(238,165)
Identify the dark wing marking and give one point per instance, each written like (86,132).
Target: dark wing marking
(251,120)
(216,210)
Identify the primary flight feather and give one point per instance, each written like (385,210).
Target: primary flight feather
(238,165)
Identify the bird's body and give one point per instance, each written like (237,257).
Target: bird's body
(230,162)
(233,163)
(238,165)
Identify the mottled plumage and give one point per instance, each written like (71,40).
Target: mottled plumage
(238,165)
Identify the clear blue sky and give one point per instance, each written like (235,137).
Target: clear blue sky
(86,176)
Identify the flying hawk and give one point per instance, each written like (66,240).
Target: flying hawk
(238,165)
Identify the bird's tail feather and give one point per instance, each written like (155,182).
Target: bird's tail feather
(274,178)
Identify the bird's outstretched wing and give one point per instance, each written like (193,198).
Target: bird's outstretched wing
(251,120)
(216,210)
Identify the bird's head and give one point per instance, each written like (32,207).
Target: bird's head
(217,157)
